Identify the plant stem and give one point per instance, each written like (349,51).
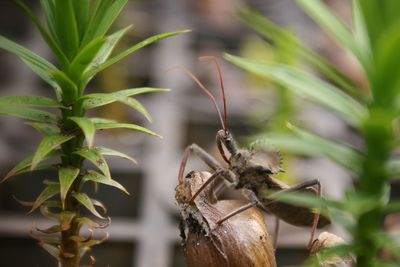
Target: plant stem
(70,255)
(373,183)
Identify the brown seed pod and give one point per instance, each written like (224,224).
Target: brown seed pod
(240,241)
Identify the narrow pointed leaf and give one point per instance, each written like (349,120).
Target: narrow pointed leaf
(99,178)
(48,144)
(44,128)
(110,152)
(308,144)
(94,156)
(136,105)
(68,88)
(134,127)
(66,27)
(29,101)
(85,57)
(92,224)
(102,120)
(48,10)
(66,177)
(81,11)
(306,85)
(131,50)
(45,211)
(94,242)
(50,191)
(330,23)
(65,219)
(29,114)
(100,99)
(46,36)
(87,202)
(304,200)
(25,164)
(104,52)
(50,230)
(283,38)
(39,65)
(52,250)
(87,127)
(103,17)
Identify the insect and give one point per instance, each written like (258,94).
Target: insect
(250,171)
(236,243)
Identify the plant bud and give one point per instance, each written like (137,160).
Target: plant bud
(242,240)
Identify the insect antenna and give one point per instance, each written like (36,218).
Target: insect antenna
(221,84)
(205,90)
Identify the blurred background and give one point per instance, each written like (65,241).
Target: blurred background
(144,230)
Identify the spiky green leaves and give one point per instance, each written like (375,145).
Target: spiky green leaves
(306,85)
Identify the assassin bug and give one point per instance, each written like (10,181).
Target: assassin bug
(250,171)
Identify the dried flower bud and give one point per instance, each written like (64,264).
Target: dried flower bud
(327,240)
(240,241)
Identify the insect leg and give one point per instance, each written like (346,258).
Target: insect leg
(214,176)
(300,187)
(202,154)
(276,231)
(210,161)
(253,202)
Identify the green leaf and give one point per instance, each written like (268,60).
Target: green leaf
(360,30)
(29,114)
(111,152)
(306,85)
(136,105)
(50,191)
(104,52)
(284,38)
(386,83)
(81,11)
(67,86)
(66,177)
(46,36)
(48,10)
(342,251)
(26,163)
(39,65)
(52,250)
(303,199)
(306,143)
(87,202)
(48,144)
(99,178)
(131,50)
(85,57)
(393,206)
(102,19)
(134,127)
(44,128)
(94,156)
(87,127)
(330,23)
(90,101)
(66,27)
(29,101)
(102,120)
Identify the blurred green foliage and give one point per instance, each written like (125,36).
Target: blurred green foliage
(373,40)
